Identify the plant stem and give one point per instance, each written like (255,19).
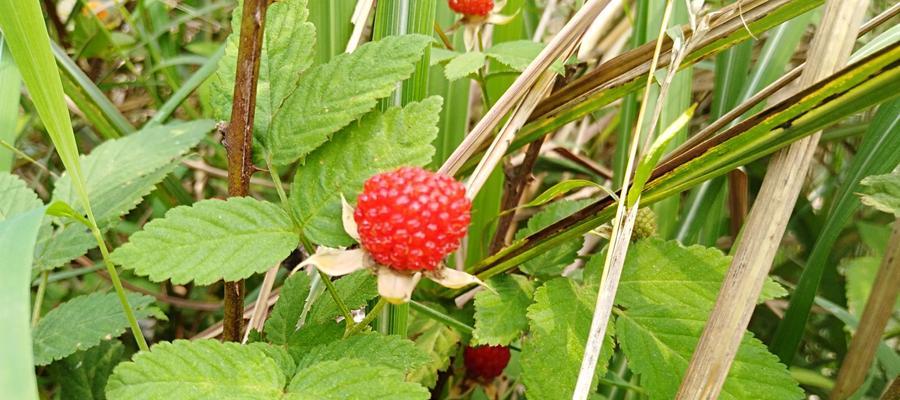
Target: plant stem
(39,299)
(329,285)
(239,139)
(117,284)
(307,245)
(370,316)
(441,317)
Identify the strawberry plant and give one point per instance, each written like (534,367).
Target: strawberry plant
(449,199)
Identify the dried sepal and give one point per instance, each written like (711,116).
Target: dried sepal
(338,262)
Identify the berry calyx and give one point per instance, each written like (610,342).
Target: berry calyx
(410,219)
(486,362)
(472,7)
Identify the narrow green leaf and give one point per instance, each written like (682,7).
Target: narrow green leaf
(333,21)
(500,317)
(562,188)
(82,323)
(15,196)
(17,238)
(352,379)
(389,351)
(210,241)
(877,154)
(283,320)
(560,320)
(200,369)
(10,88)
(464,65)
(656,151)
(882,192)
(83,375)
(330,96)
(288,50)
(380,142)
(552,262)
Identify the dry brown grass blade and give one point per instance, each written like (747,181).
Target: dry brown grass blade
(258,318)
(560,45)
(765,226)
(878,310)
(626,213)
(767,91)
(635,64)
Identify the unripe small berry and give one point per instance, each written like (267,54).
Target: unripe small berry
(644,224)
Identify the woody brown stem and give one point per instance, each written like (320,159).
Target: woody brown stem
(239,139)
(516,180)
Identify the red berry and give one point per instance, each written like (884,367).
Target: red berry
(486,362)
(410,219)
(472,7)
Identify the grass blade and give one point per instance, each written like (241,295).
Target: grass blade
(29,43)
(17,239)
(10,87)
(877,155)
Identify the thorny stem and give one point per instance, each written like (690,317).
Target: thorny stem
(516,180)
(239,139)
(370,316)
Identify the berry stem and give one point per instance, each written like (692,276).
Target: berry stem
(376,310)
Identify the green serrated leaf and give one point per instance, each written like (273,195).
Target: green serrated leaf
(667,292)
(378,143)
(15,196)
(440,55)
(552,262)
(83,375)
(330,96)
(277,353)
(81,323)
(560,320)
(120,172)
(861,273)
(882,192)
(500,317)
(210,241)
(516,54)
(288,50)
(56,247)
(352,380)
(374,348)
(200,369)
(117,179)
(435,339)
(464,65)
(282,321)
(313,335)
(355,289)
(658,340)
(665,272)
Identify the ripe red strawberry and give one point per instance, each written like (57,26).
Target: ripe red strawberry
(410,219)
(472,7)
(486,362)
